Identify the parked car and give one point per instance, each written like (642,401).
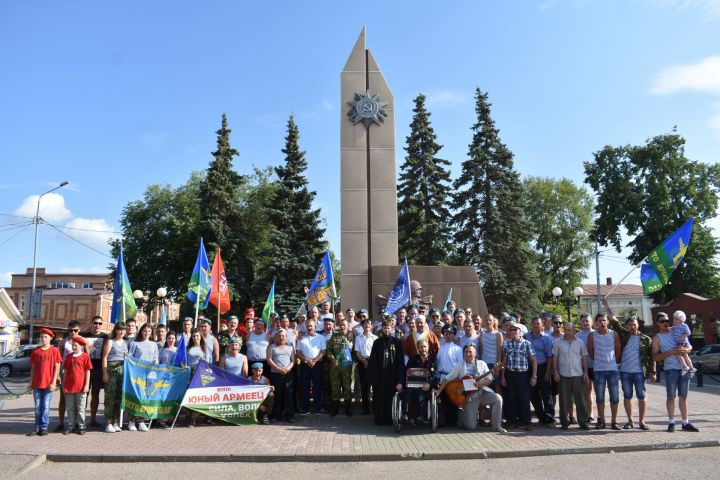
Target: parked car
(16,361)
(707,358)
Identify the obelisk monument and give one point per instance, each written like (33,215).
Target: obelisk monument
(368,190)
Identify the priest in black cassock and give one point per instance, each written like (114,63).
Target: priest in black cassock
(385,370)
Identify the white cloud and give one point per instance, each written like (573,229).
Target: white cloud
(5,279)
(714,121)
(327,105)
(709,9)
(703,76)
(446,99)
(96,231)
(52,207)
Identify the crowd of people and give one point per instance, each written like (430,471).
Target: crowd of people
(322,362)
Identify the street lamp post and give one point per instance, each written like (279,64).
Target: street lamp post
(36,220)
(577,291)
(161,293)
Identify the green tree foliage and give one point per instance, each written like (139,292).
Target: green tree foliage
(491,229)
(161,232)
(650,191)
(221,223)
(297,245)
(560,215)
(423,212)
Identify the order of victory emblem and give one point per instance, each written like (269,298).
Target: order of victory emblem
(367,109)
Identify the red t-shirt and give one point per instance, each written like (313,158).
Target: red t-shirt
(75,368)
(44,362)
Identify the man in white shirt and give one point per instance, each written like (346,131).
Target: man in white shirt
(480,394)
(363,347)
(570,371)
(311,350)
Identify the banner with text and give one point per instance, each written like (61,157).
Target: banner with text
(152,391)
(222,395)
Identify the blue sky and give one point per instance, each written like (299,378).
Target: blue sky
(114,96)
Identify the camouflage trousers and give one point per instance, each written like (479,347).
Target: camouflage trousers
(340,379)
(113,390)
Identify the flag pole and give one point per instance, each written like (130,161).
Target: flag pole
(197,304)
(635,267)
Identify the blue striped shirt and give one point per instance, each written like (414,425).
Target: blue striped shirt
(630,360)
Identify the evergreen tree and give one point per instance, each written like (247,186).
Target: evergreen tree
(491,229)
(221,220)
(297,245)
(422,194)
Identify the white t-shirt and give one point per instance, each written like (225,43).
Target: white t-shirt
(363,345)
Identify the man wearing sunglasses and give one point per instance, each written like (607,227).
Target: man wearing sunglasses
(96,340)
(664,348)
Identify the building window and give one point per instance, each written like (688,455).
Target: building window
(62,285)
(87,285)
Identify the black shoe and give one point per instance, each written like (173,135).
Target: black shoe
(671,427)
(33,433)
(81,431)
(43,432)
(95,424)
(584,426)
(59,428)
(335,409)
(290,420)
(67,431)
(689,427)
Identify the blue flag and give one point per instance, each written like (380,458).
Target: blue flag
(400,295)
(448,300)
(152,391)
(123,305)
(200,281)
(180,358)
(323,286)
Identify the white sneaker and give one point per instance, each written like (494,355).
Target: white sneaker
(132,427)
(692,372)
(117,428)
(684,372)
(109,429)
(142,427)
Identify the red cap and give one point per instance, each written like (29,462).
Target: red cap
(79,339)
(249,312)
(46,331)
(223,321)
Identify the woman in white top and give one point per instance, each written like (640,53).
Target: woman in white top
(167,352)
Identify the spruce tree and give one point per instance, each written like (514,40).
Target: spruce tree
(491,229)
(298,245)
(221,225)
(422,194)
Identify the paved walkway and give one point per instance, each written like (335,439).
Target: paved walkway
(341,438)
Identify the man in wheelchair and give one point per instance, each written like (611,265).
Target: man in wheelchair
(418,381)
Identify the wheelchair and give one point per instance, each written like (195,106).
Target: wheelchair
(416,378)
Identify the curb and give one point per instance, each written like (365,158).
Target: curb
(32,464)
(369,457)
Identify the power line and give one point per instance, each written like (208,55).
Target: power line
(84,229)
(14,216)
(79,241)
(14,226)
(16,234)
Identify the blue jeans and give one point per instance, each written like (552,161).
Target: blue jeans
(42,397)
(630,380)
(609,378)
(676,384)
(310,376)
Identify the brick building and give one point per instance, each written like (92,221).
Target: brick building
(625,300)
(72,296)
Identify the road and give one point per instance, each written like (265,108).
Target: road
(696,463)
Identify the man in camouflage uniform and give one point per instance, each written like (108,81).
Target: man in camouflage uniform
(231,333)
(340,373)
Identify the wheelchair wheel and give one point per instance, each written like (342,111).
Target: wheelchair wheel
(397,412)
(433,406)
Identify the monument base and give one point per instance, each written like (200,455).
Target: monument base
(435,281)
